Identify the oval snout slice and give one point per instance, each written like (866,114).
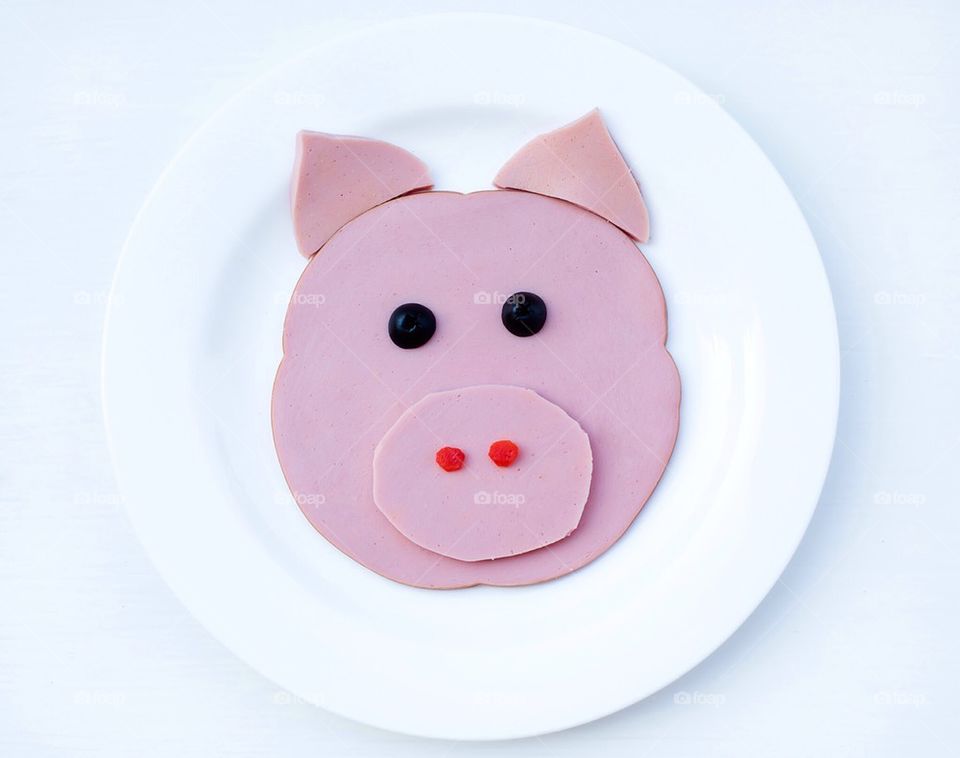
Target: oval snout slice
(483,510)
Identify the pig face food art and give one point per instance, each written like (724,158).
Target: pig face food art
(475,388)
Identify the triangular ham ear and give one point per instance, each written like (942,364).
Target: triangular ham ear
(580,163)
(336,178)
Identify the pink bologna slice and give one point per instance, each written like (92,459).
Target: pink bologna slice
(483,510)
(336,178)
(601,357)
(581,163)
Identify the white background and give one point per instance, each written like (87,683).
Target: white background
(853,653)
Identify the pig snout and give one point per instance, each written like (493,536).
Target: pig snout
(483,472)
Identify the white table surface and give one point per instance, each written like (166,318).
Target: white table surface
(853,653)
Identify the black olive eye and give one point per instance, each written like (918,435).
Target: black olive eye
(524,314)
(411,325)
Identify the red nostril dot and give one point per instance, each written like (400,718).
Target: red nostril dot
(503,452)
(450,458)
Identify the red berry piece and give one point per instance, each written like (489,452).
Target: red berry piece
(504,452)
(450,458)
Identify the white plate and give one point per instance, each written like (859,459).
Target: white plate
(194,340)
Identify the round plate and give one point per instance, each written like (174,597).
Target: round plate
(193,342)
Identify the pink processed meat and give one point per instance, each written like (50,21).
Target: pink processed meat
(581,163)
(475,388)
(336,178)
(489,508)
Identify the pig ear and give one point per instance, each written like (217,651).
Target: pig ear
(336,178)
(580,163)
